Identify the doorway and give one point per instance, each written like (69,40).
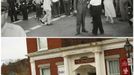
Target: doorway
(85,70)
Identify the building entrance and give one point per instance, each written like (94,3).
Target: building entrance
(85,70)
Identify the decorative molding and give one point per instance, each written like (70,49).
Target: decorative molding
(44,66)
(79,49)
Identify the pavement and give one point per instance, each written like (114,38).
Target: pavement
(65,26)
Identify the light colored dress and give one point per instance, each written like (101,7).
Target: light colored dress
(47,5)
(109,8)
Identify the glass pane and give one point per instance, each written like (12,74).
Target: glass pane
(45,71)
(114,67)
(42,43)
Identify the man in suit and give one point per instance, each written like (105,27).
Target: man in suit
(67,7)
(96,10)
(24,9)
(124,9)
(12,10)
(37,3)
(80,7)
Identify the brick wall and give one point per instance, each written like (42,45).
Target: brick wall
(52,62)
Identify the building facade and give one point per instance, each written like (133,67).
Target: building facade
(55,56)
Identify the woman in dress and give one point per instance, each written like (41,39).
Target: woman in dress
(47,8)
(109,10)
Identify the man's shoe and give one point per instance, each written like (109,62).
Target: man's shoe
(101,32)
(17,19)
(77,33)
(42,22)
(94,33)
(49,24)
(84,31)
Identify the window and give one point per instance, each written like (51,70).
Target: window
(45,71)
(42,44)
(113,67)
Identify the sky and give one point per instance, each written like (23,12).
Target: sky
(13,48)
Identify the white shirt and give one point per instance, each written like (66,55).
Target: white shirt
(37,1)
(95,2)
(47,5)
(12,30)
(55,0)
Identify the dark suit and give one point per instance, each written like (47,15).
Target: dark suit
(67,7)
(12,10)
(24,9)
(81,7)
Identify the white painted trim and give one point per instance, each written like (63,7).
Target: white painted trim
(60,63)
(33,69)
(66,65)
(44,66)
(97,63)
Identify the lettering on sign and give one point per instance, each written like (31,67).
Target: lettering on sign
(84,60)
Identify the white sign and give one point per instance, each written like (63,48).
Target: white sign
(61,70)
(129,60)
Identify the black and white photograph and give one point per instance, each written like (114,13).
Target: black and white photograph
(66,18)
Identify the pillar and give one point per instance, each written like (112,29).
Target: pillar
(97,63)
(66,65)
(33,71)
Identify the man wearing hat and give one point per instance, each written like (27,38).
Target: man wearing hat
(8,29)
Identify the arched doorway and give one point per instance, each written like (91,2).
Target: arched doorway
(85,70)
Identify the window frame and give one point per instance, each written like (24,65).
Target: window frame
(107,63)
(38,44)
(44,66)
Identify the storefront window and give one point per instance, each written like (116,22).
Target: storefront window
(42,44)
(45,71)
(113,67)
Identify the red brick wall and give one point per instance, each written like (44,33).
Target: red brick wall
(54,43)
(119,51)
(52,62)
(31,45)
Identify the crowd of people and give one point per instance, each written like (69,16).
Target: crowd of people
(120,9)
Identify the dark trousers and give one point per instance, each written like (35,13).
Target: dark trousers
(81,20)
(124,9)
(24,13)
(55,9)
(67,7)
(38,11)
(97,23)
(13,15)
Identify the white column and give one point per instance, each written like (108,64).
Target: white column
(103,67)
(33,71)
(66,65)
(97,63)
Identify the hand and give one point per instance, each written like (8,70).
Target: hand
(88,6)
(75,11)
